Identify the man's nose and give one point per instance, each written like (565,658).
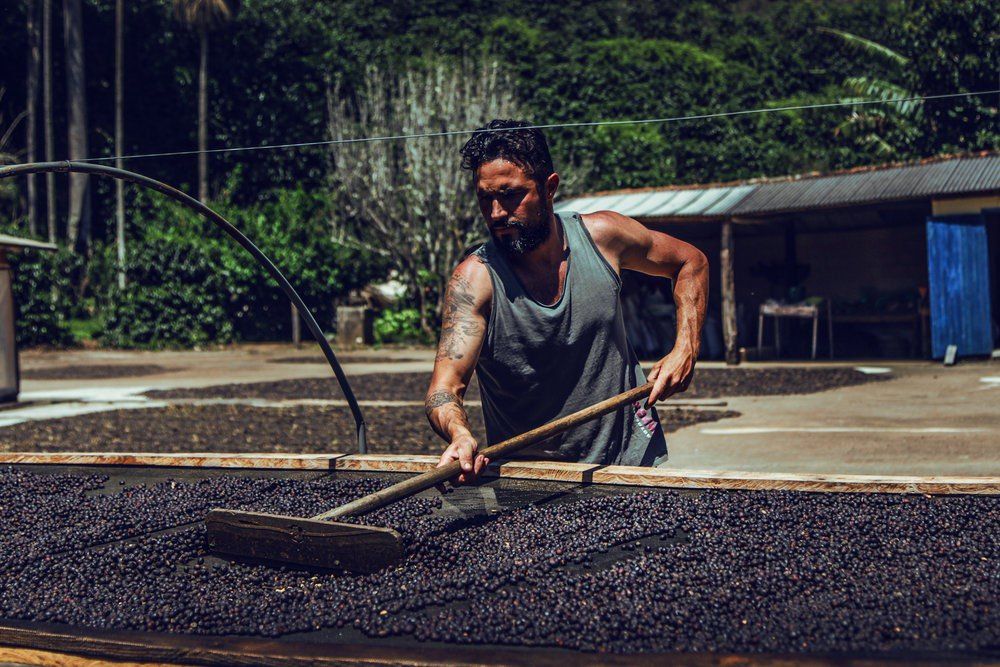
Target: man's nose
(497,212)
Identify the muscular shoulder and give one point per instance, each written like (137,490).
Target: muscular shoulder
(470,282)
(613,233)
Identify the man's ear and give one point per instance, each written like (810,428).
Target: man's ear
(551,185)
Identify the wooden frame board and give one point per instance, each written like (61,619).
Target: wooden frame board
(98,648)
(248,461)
(583,473)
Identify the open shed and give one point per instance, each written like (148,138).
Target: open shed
(897,257)
(10,374)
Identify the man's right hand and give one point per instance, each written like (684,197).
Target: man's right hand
(464,449)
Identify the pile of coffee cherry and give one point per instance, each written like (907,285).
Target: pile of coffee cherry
(662,571)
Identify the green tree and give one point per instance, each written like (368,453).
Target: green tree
(411,199)
(8,190)
(954,46)
(78,219)
(203,15)
(44,294)
(620,79)
(888,129)
(191,285)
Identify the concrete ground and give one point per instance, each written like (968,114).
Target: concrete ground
(241,363)
(928,420)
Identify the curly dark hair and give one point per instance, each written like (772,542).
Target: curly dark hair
(501,139)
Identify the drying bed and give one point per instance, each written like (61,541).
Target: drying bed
(707,383)
(115,554)
(279,428)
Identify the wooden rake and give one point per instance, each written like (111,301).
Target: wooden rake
(319,542)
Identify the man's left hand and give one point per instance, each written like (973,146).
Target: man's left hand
(671,375)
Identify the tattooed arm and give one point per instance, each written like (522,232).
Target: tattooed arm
(463,328)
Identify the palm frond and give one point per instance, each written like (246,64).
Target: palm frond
(204,13)
(867,88)
(880,145)
(868,47)
(5,137)
(867,132)
(860,123)
(6,156)
(870,88)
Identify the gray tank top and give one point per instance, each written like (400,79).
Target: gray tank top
(542,362)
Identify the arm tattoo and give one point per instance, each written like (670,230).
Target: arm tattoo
(459,322)
(439,399)
(455,415)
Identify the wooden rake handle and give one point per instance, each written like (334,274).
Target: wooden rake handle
(438,475)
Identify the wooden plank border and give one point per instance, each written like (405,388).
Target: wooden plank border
(80,647)
(580,473)
(584,473)
(249,460)
(97,648)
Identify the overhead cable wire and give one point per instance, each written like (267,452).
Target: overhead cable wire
(545,126)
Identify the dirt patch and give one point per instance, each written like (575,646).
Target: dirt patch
(319,359)
(707,383)
(721,382)
(373,386)
(94,372)
(240,428)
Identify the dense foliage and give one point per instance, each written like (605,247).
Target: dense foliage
(571,62)
(44,295)
(189,285)
(603,59)
(399,326)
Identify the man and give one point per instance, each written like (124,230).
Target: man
(536,313)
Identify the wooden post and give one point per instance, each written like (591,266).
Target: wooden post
(296,327)
(729,330)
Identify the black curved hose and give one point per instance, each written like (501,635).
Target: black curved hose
(235,234)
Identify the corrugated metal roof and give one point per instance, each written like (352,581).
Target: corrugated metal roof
(687,202)
(958,176)
(933,177)
(9,241)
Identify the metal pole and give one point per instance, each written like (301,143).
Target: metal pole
(31,144)
(50,151)
(120,136)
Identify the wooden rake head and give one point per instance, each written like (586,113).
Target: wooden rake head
(301,541)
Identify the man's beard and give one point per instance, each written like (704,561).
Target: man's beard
(529,236)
